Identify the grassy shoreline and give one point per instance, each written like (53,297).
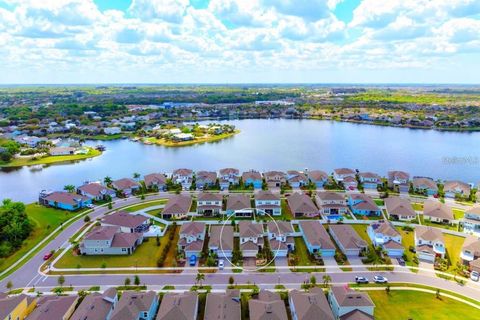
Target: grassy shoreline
(20,162)
(211,138)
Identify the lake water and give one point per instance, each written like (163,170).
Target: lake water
(278,144)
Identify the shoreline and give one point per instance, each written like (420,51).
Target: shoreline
(172,144)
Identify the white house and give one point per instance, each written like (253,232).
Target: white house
(383,234)
(347,303)
(280,235)
(268,202)
(429,243)
(251,238)
(192,235)
(471,221)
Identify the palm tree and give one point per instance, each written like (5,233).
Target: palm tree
(107,180)
(69,188)
(199,278)
(326,280)
(136,175)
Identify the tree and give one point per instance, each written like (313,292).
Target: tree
(231,280)
(9,285)
(61,280)
(313,281)
(107,180)
(127,281)
(437,294)
(136,280)
(199,278)
(86,219)
(326,280)
(110,205)
(69,188)
(294,259)
(136,175)
(387,289)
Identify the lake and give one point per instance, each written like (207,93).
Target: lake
(267,144)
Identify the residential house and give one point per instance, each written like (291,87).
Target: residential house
(347,239)
(128,222)
(280,236)
(62,151)
(383,234)
(268,202)
(332,205)
(221,240)
(399,181)
(453,189)
(309,305)
(471,221)
(179,306)
(209,204)
(192,235)
(177,207)
(97,306)
(350,183)
(16,307)
(54,308)
(424,185)
(296,179)
(429,243)
(205,179)
(110,241)
(126,186)
(400,209)
(363,205)
(437,211)
(156,181)
(136,305)
(253,178)
(223,305)
(229,177)
(349,304)
(251,238)
(112,130)
(268,305)
(274,179)
(239,205)
(64,200)
(316,238)
(370,180)
(301,205)
(341,173)
(184,177)
(470,253)
(96,191)
(318,178)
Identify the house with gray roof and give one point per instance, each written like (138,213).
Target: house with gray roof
(362,204)
(274,179)
(177,207)
(280,237)
(301,205)
(400,209)
(192,236)
(136,305)
(97,306)
(128,222)
(398,181)
(316,238)
(268,202)
(221,240)
(429,243)
(96,191)
(251,238)
(347,239)
(205,179)
(239,205)
(383,234)
(223,306)
(470,253)
(309,305)
(332,205)
(179,306)
(268,305)
(318,177)
(437,211)
(54,308)
(126,186)
(110,241)
(349,304)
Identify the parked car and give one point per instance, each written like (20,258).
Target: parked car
(361,280)
(221,264)
(474,276)
(193,261)
(91,206)
(47,256)
(401,262)
(380,279)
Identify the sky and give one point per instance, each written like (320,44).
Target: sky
(239,41)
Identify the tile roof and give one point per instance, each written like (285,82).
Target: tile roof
(316,234)
(226,240)
(178,306)
(154,178)
(317,175)
(238,202)
(455,185)
(366,203)
(95,306)
(357,315)
(253,175)
(399,206)
(311,305)
(95,189)
(8,304)
(52,307)
(472,244)
(250,229)
(267,195)
(132,303)
(193,228)
(344,171)
(65,197)
(223,306)
(125,183)
(209,196)
(182,172)
(437,209)
(424,183)
(125,219)
(348,237)
(268,306)
(102,233)
(385,227)
(347,297)
(178,204)
(299,202)
(229,171)
(429,234)
(393,175)
(279,227)
(330,196)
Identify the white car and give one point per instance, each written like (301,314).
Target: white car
(380,279)
(221,264)
(474,276)
(91,206)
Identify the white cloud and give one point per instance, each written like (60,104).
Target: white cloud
(167,10)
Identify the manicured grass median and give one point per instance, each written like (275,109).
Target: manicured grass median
(400,305)
(145,205)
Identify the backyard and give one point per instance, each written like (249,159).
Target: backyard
(454,247)
(407,241)
(301,252)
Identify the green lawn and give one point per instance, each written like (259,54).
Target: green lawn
(400,305)
(303,255)
(362,232)
(438,225)
(407,241)
(286,213)
(145,205)
(18,162)
(46,220)
(454,247)
(458,213)
(417,206)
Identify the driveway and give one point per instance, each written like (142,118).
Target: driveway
(282,262)
(425,265)
(356,261)
(332,264)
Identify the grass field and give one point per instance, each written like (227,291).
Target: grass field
(206,138)
(399,305)
(301,252)
(46,220)
(458,214)
(362,232)
(19,162)
(145,205)
(454,247)
(407,241)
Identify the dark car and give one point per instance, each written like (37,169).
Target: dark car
(47,256)
(401,262)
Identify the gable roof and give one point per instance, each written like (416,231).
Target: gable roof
(182,172)
(311,305)
(124,219)
(472,244)
(399,206)
(250,229)
(178,204)
(424,183)
(347,236)
(223,306)
(238,202)
(206,175)
(154,178)
(330,196)
(346,297)
(95,306)
(384,227)
(429,234)
(251,175)
(192,228)
(125,183)
(102,233)
(267,195)
(316,234)
(393,175)
(279,227)
(209,196)
(178,306)
(226,242)
(8,304)
(94,188)
(52,307)
(343,171)
(365,202)
(229,171)
(299,202)
(317,175)
(453,186)
(437,209)
(268,306)
(132,303)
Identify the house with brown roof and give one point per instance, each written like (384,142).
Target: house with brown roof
(309,305)
(128,222)
(268,305)
(64,200)
(268,202)
(252,178)
(177,207)
(341,173)
(347,239)
(179,306)
(361,204)
(228,177)
(155,181)
(183,177)
(349,304)
(192,236)
(280,236)
(274,179)
(223,306)
(318,178)
(126,186)
(221,240)
(205,179)
(96,191)
(471,221)
(331,205)
(135,305)
(437,211)
(251,238)
(239,205)
(455,188)
(429,243)
(209,204)
(302,205)
(383,234)
(110,241)
(470,253)
(296,179)
(350,183)
(400,209)
(370,180)
(54,308)
(316,238)
(424,185)
(16,306)
(399,181)
(97,306)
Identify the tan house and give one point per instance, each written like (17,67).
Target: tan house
(400,209)
(331,204)
(436,211)
(301,205)
(429,243)
(177,207)
(455,188)
(274,179)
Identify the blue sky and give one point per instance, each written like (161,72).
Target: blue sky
(239,41)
